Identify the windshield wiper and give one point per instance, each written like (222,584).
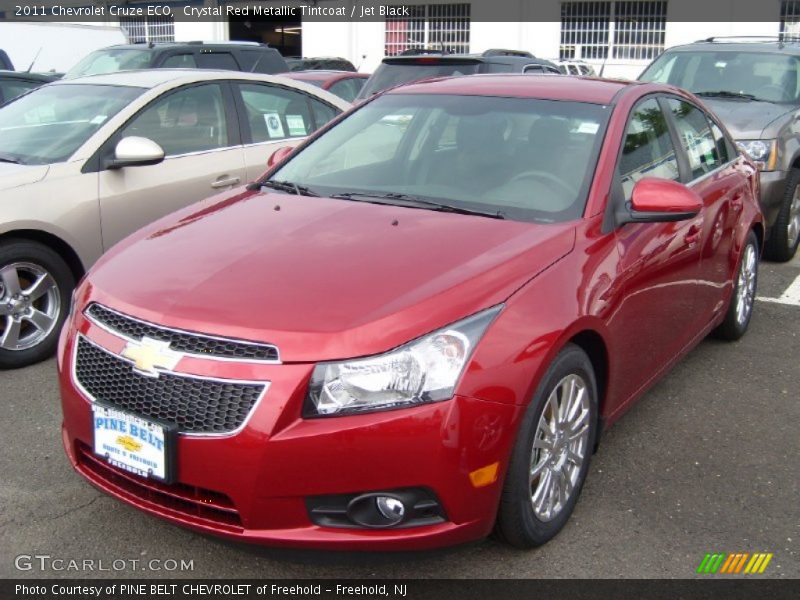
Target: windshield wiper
(7,158)
(286,186)
(729,94)
(409,201)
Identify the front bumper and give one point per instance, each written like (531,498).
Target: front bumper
(253,485)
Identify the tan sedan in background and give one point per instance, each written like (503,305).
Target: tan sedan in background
(87,161)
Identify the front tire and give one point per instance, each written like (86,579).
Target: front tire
(35,289)
(785,234)
(740,308)
(551,456)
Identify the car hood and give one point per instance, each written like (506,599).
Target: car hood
(12,175)
(746,120)
(320,278)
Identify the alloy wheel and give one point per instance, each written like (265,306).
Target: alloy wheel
(560,446)
(30,305)
(746,285)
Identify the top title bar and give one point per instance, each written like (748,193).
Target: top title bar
(82,11)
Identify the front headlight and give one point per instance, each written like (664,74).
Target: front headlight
(425,370)
(763,152)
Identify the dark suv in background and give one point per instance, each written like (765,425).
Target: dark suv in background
(416,64)
(250,57)
(753,86)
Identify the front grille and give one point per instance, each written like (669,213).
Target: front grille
(187,500)
(181,341)
(195,405)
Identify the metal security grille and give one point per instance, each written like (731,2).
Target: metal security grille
(439,26)
(149,29)
(620,30)
(790,20)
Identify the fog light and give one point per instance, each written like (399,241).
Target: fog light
(391,508)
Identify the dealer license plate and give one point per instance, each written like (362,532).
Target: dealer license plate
(134,444)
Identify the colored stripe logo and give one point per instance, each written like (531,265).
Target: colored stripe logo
(735,563)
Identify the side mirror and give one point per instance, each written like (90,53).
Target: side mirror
(135,152)
(279,155)
(657,200)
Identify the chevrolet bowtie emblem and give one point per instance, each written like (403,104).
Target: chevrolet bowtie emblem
(149,356)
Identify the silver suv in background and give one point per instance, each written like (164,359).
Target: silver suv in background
(753,86)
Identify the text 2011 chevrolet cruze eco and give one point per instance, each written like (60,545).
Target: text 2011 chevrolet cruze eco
(413,330)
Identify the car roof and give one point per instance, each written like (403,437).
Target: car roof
(521,85)
(151,78)
(484,58)
(721,45)
(155,46)
(323,74)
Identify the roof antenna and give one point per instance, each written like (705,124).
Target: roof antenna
(38,52)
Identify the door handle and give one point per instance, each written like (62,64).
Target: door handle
(693,234)
(224,182)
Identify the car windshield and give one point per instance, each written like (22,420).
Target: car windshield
(389,75)
(725,73)
(50,123)
(519,158)
(110,60)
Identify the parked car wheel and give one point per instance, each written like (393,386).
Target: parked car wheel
(740,308)
(35,288)
(551,455)
(783,240)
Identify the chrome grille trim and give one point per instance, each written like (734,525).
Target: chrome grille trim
(199,434)
(164,333)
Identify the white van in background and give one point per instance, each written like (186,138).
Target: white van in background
(42,47)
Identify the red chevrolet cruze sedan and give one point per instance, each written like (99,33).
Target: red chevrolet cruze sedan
(412,330)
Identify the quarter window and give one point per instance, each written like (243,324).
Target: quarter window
(189,120)
(648,150)
(695,135)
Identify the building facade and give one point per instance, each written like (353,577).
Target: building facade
(619,37)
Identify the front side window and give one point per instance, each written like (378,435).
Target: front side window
(110,61)
(489,154)
(725,73)
(189,120)
(648,150)
(696,136)
(49,124)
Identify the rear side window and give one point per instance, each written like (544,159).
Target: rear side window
(275,113)
(179,61)
(217,60)
(696,137)
(534,69)
(648,150)
(262,61)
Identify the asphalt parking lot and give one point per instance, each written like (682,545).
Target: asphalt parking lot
(706,462)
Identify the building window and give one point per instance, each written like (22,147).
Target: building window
(149,29)
(790,20)
(622,30)
(439,26)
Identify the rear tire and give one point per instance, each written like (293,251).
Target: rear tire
(740,307)
(785,232)
(544,458)
(35,289)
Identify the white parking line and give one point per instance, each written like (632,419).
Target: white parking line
(791,296)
